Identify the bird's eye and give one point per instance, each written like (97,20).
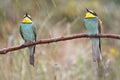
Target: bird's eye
(94,13)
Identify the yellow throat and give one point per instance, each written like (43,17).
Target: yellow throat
(89,15)
(26,20)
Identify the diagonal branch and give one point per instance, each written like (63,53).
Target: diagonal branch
(63,38)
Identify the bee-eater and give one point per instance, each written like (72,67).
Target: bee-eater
(93,25)
(27,31)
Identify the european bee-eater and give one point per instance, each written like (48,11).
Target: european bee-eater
(93,26)
(27,31)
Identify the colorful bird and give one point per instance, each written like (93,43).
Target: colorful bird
(27,31)
(93,25)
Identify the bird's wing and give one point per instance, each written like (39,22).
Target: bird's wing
(21,32)
(34,30)
(99,28)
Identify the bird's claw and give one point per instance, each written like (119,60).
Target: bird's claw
(23,45)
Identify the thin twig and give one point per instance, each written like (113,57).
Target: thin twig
(63,38)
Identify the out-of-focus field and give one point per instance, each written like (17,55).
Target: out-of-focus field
(68,60)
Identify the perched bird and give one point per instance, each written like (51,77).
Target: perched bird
(27,31)
(93,25)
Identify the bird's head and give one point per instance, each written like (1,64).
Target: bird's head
(90,14)
(27,19)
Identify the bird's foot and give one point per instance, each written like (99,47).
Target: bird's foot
(23,45)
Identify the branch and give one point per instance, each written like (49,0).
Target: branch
(63,38)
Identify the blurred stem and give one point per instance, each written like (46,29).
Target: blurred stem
(56,69)
(46,21)
(54,4)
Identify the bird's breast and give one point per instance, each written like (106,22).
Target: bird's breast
(28,32)
(91,25)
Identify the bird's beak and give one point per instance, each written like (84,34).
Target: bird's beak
(87,10)
(26,14)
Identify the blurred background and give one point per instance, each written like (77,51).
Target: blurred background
(68,60)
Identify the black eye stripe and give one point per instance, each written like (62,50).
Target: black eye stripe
(90,11)
(93,13)
(28,17)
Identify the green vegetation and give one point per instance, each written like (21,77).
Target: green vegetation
(68,60)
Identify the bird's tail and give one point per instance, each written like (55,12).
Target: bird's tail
(96,49)
(32,51)
(97,56)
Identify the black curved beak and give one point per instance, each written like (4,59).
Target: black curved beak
(87,10)
(26,14)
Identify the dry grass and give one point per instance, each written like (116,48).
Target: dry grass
(69,60)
